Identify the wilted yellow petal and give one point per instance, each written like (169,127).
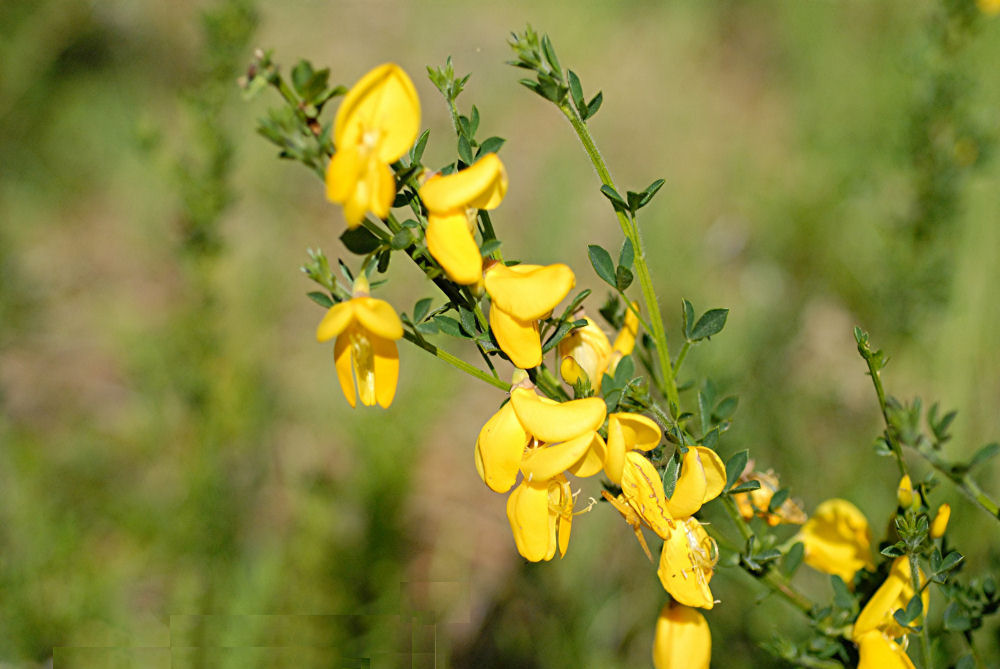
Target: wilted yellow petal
(877,651)
(451,243)
(342,358)
(682,639)
(517,338)
(643,489)
(546,462)
(528,513)
(555,421)
(500,447)
(482,185)
(380,110)
(528,292)
(335,321)
(378,317)
(386,357)
(686,565)
(837,539)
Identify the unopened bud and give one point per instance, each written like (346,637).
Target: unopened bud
(904,493)
(940,522)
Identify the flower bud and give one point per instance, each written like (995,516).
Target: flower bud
(904,493)
(940,523)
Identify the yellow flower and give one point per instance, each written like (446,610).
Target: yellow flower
(452,203)
(585,354)
(682,639)
(940,522)
(895,593)
(375,125)
(628,432)
(877,651)
(904,492)
(542,439)
(520,295)
(989,6)
(702,478)
(625,341)
(686,564)
(837,539)
(366,330)
(757,502)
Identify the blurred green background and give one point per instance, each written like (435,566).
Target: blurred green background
(181,481)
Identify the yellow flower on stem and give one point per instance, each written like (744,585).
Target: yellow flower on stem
(520,295)
(366,356)
(895,593)
(837,539)
(376,124)
(878,651)
(758,502)
(702,478)
(628,432)
(625,341)
(687,563)
(585,354)
(541,515)
(682,639)
(904,492)
(452,203)
(940,522)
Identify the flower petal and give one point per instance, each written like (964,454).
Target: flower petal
(686,565)
(837,539)
(592,460)
(381,188)
(500,447)
(689,492)
(894,593)
(451,243)
(614,460)
(386,370)
(643,489)
(640,432)
(528,292)
(528,514)
(519,339)
(383,101)
(342,357)
(878,651)
(335,321)
(625,341)
(343,173)
(682,639)
(378,317)
(554,421)
(479,186)
(547,462)
(715,472)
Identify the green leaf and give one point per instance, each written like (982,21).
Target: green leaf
(633,200)
(777,499)
(842,597)
(895,550)
(616,200)
(951,560)
(601,260)
(966,662)
(725,409)
(984,454)
(449,326)
(383,261)
(735,465)
(490,247)
(421,308)
(623,277)
(687,317)
(468,320)
(301,74)
(793,558)
(624,371)
(474,121)
(651,190)
(594,105)
(550,54)
(428,328)
(626,257)
(490,145)
(956,619)
(465,150)
(401,240)
(417,152)
(576,92)
(561,332)
(359,240)
(711,323)
(322,299)
(746,486)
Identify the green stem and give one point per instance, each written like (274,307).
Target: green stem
(489,233)
(897,450)
(631,232)
(925,635)
(454,361)
(963,482)
(680,356)
(548,383)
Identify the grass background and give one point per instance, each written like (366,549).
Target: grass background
(181,482)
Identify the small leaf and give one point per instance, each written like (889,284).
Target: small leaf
(594,105)
(468,320)
(894,551)
(711,323)
(490,145)
(688,317)
(725,409)
(984,454)
(417,152)
(601,260)
(550,54)
(793,558)
(301,74)
(746,486)
(465,150)
(735,465)
(651,190)
(951,560)
(421,308)
(956,619)
(490,247)
(359,240)
(627,255)
(623,277)
(449,326)
(576,92)
(322,299)
(428,328)
(842,597)
(619,203)
(401,239)
(624,371)
(777,499)
(560,333)
(383,261)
